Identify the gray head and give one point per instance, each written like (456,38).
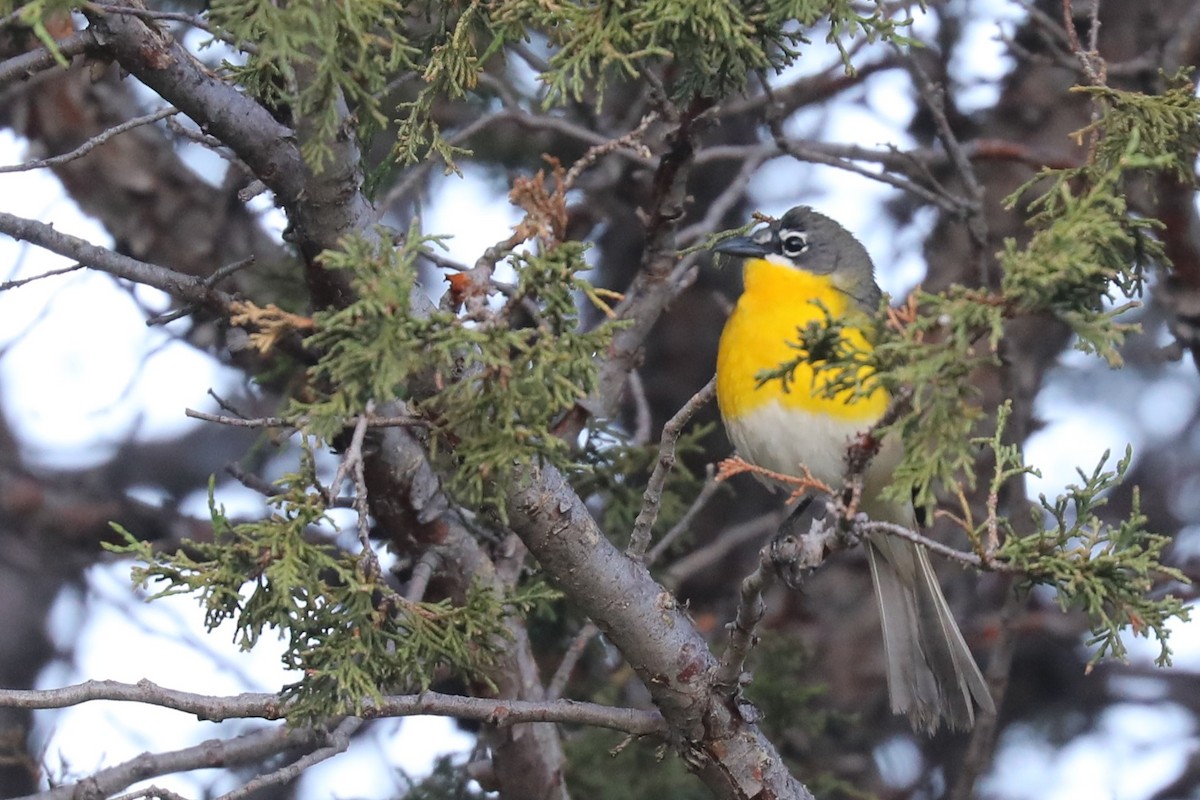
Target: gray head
(810,241)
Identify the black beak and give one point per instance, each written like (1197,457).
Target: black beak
(741,246)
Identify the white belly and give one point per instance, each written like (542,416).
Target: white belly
(783,439)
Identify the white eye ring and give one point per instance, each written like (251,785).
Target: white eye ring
(793,243)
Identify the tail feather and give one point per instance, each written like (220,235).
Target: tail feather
(930,671)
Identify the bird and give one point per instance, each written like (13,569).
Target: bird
(803,268)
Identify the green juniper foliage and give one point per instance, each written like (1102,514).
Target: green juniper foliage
(1088,243)
(308,54)
(491,388)
(348,635)
(306,51)
(941,417)
(1106,570)
(713,43)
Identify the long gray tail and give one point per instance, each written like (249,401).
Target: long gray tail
(930,672)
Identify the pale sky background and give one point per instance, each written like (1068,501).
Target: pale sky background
(73,397)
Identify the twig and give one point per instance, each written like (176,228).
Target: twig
(809,89)
(218,275)
(1089,60)
(352,463)
(992,541)
(194,20)
(422,572)
(729,197)
(730,672)
(352,454)
(972,209)
(658,96)
(49,274)
(472,287)
(268,706)
(793,553)
(221,273)
(719,548)
(225,405)
(818,155)
(630,141)
(1049,29)
(145,13)
(652,288)
(300,422)
(249,748)
(439,260)
(176,284)
(92,143)
(558,682)
(639,538)
(919,163)
(206,141)
(643,417)
(535,62)
(522,119)
(1093,66)
(864,447)
(685,522)
(251,481)
(865,526)
(337,741)
(502,88)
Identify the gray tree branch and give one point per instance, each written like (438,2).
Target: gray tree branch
(731,755)
(268,706)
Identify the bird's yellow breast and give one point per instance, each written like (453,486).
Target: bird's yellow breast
(777,301)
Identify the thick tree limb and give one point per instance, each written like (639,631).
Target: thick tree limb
(408,503)
(731,755)
(323,207)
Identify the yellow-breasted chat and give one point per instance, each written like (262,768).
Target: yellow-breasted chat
(806,268)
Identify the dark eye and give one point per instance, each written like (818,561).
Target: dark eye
(793,243)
